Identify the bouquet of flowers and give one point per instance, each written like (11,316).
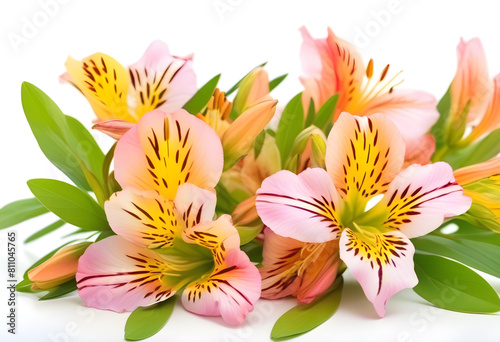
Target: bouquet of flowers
(220,198)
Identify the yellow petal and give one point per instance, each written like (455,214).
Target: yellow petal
(104,82)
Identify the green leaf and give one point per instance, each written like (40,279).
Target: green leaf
(105,234)
(106,165)
(50,128)
(258,143)
(479,255)
(311,112)
(87,149)
(439,128)
(254,250)
(60,290)
(275,82)
(248,233)
(290,125)
(479,152)
(144,322)
(225,202)
(470,232)
(236,86)
(305,317)
(202,96)
(70,203)
(20,211)
(25,286)
(49,229)
(325,113)
(453,286)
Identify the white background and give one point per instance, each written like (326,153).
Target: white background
(418,36)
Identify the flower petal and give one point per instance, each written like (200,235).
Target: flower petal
(341,69)
(420,151)
(381,263)
(305,207)
(363,154)
(165,150)
(292,267)
(114,128)
(160,81)
(143,217)
(219,236)
(229,291)
(413,112)
(491,120)
(117,275)
(194,205)
(472,81)
(104,82)
(420,198)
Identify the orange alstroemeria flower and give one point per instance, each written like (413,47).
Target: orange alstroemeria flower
(332,65)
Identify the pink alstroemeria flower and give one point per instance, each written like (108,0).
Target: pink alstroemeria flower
(332,65)
(364,159)
(168,165)
(120,96)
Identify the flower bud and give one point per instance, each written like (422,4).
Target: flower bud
(239,137)
(59,268)
(252,88)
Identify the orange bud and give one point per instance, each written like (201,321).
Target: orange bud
(239,137)
(59,268)
(252,88)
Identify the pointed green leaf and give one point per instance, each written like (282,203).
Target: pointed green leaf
(106,165)
(311,113)
(42,232)
(305,317)
(25,286)
(453,286)
(276,82)
(258,143)
(470,232)
(479,152)
(51,130)
(233,88)
(144,322)
(248,233)
(325,113)
(86,148)
(202,96)
(479,255)
(105,234)
(70,203)
(20,211)
(290,125)
(254,250)
(439,128)
(60,290)
(225,202)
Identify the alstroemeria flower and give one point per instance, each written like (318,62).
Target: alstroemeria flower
(473,92)
(472,84)
(157,81)
(291,267)
(364,159)
(481,182)
(334,66)
(168,165)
